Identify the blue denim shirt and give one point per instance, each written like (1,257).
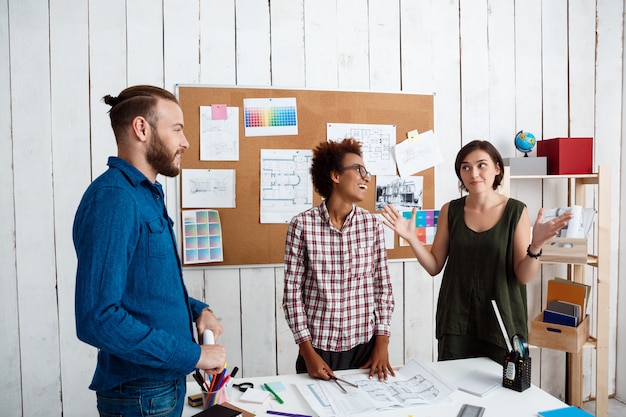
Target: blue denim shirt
(131,302)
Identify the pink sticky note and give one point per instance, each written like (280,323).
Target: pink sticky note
(218,112)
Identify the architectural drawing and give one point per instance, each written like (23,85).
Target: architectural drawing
(286,187)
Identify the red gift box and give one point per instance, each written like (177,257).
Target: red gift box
(567,155)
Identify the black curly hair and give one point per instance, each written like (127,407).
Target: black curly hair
(328,157)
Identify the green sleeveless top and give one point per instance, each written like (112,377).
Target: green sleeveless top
(480,268)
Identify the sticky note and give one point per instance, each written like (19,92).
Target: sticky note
(413,136)
(218,112)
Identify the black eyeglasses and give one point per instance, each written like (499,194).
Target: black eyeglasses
(364,173)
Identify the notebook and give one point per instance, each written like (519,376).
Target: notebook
(219,410)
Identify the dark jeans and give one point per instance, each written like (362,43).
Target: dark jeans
(143,398)
(350,359)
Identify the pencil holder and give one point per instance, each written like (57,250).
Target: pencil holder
(516,373)
(215,397)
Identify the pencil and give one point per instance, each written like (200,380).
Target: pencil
(280,413)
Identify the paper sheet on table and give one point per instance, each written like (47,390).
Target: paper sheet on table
(414,383)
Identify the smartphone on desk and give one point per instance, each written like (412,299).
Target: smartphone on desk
(469,410)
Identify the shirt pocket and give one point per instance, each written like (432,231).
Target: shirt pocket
(157,238)
(362,260)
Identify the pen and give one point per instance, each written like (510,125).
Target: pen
(280,400)
(280,413)
(234,372)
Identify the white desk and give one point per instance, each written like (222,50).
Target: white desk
(503,402)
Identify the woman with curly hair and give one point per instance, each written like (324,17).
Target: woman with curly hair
(337,298)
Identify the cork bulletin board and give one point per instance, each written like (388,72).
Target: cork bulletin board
(247,241)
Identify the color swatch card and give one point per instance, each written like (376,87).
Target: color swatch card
(425,225)
(202,237)
(270,116)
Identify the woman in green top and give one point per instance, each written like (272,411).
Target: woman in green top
(484,240)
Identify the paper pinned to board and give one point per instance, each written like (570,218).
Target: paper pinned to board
(416,156)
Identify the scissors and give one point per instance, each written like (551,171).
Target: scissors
(244,386)
(336,381)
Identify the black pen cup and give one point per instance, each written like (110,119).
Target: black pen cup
(516,372)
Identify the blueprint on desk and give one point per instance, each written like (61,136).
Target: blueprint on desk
(415,383)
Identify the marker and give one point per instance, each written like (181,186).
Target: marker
(280,400)
(280,413)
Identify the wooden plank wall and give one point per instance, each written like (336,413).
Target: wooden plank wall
(553,68)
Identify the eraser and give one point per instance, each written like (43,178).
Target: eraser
(194,400)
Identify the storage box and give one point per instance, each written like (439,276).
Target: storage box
(558,337)
(566,250)
(527,165)
(567,155)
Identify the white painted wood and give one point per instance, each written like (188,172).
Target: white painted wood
(253,43)
(474,70)
(217,42)
(608,136)
(258,327)
(384,45)
(144,44)
(194,282)
(528,117)
(320,44)
(417,39)
(620,258)
(181,33)
(581,56)
(554,60)
(501,55)
(69,58)
(10,388)
(286,348)
(222,289)
(107,74)
(352,45)
(555,124)
(528,102)
(287,46)
(34,222)
(396,341)
(419,313)
(181,55)
(446,66)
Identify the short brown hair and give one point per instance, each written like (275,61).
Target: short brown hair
(139,100)
(484,146)
(328,157)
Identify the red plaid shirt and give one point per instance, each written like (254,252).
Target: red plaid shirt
(337,286)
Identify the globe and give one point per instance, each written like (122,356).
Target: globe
(525,142)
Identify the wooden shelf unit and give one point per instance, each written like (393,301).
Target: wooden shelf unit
(577,184)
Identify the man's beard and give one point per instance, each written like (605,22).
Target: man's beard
(160,159)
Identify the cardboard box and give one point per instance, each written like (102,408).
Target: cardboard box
(558,337)
(567,155)
(527,165)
